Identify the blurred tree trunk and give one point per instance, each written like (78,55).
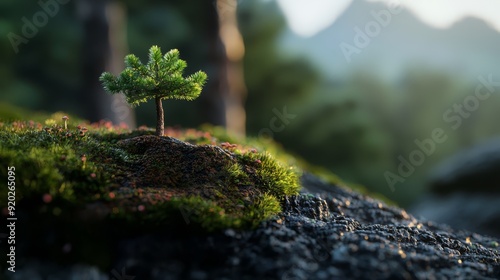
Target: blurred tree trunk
(224,94)
(99,56)
(232,69)
(213,98)
(117,19)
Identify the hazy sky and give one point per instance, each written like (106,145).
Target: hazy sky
(306,17)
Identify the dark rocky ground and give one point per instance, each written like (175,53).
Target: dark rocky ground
(337,234)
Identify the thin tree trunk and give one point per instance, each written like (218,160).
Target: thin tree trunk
(160,121)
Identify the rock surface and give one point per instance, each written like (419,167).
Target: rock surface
(477,212)
(472,170)
(466,193)
(337,234)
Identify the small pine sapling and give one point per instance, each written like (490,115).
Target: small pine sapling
(160,79)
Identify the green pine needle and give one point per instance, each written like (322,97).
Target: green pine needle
(162,77)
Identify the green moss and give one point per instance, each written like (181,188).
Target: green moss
(273,177)
(45,163)
(235,174)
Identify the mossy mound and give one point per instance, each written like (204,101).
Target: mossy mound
(213,186)
(125,178)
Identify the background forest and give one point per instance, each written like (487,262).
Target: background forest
(354,118)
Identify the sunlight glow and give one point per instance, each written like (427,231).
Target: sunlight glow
(306,18)
(444,13)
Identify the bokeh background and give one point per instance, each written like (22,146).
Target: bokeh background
(348,85)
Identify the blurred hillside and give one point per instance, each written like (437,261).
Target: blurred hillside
(395,83)
(466,49)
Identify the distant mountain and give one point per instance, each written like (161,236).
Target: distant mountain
(468,48)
